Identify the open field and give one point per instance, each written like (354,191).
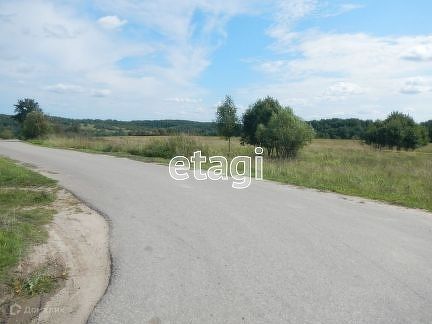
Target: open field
(343,166)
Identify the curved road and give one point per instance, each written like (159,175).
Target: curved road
(202,252)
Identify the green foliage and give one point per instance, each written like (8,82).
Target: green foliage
(396,131)
(97,127)
(24,107)
(38,282)
(226,120)
(35,125)
(8,125)
(259,113)
(268,124)
(337,128)
(285,134)
(428,125)
(14,198)
(170,147)
(6,133)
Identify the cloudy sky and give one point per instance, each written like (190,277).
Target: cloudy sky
(142,59)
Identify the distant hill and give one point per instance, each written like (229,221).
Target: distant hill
(109,127)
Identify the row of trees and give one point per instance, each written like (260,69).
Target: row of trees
(397,131)
(276,128)
(267,124)
(338,128)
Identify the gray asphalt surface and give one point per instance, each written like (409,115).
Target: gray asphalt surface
(202,252)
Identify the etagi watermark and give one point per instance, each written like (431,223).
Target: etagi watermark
(239,169)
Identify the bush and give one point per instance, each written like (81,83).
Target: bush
(173,146)
(285,134)
(396,131)
(35,125)
(258,114)
(6,133)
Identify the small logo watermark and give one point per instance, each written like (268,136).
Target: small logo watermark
(16,309)
(239,169)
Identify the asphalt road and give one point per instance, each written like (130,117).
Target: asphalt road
(202,252)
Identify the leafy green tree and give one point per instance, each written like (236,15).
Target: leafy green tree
(397,131)
(259,113)
(24,107)
(428,125)
(285,134)
(227,121)
(35,125)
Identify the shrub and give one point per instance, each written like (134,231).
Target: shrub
(6,133)
(259,113)
(35,125)
(396,131)
(173,146)
(285,134)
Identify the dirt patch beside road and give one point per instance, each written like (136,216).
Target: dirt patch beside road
(78,245)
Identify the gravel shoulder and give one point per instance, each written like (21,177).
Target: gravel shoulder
(79,236)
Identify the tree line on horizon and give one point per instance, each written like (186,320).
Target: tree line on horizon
(334,128)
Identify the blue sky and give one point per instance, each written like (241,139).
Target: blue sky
(131,59)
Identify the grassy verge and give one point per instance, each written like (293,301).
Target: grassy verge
(25,198)
(343,166)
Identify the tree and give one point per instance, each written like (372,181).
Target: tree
(24,107)
(259,113)
(227,120)
(35,125)
(428,125)
(285,134)
(397,131)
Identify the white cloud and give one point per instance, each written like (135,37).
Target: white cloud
(64,88)
(328,72)
(341,90)
(111,22)
(416,85)
(421,52)
(184,100)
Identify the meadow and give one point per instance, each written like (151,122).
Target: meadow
(344,166)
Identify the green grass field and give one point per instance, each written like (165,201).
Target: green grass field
(343,166)
(25,197)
